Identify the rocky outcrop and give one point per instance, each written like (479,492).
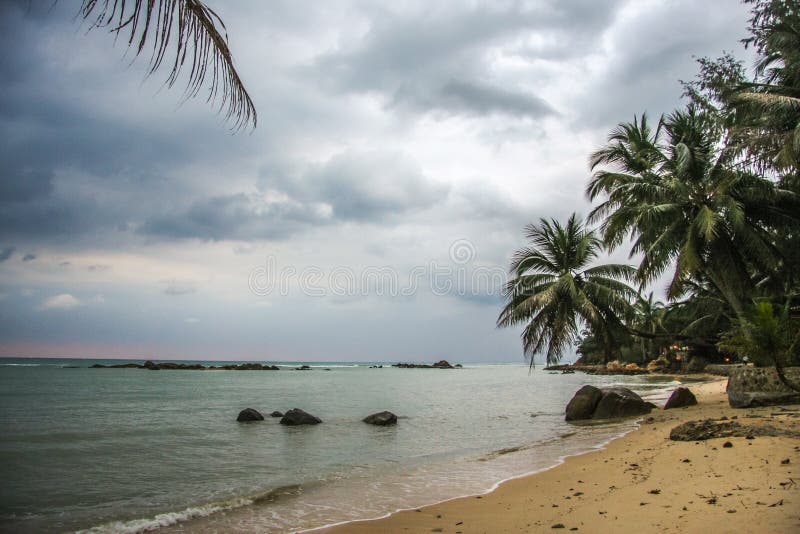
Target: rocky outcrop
(249,414)
(722,369)
(276,413)
(153,366)
(710,429)
(607,403)
(583,403)
(381,419)
(296,416)
(680,398)
(441,364)
(761,386)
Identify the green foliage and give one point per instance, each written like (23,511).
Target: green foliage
(710,193)
(766,336)
(554,289)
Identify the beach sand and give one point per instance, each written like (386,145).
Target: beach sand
(642,482)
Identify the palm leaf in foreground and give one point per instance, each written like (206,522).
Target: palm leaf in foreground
(202,47)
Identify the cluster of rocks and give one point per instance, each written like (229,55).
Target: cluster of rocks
(590,402)
(188,366)
(441,364)
(297,417)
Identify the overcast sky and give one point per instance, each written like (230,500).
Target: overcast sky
(401,147)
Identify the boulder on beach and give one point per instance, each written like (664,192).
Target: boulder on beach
(680,398)
(381,419)
(761,386)
(296,416)
(583,403)
(620,402)
(249,414)
(590,402)
(276,413)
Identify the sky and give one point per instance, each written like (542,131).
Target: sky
(401,148)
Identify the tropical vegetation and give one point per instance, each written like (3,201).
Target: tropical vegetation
(709,196)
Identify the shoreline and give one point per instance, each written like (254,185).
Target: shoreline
(581,490)
(561,460)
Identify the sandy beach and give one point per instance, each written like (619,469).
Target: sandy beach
(642,482)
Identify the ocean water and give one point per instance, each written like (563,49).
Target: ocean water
(129,450)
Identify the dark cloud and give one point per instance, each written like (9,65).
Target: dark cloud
(237,216)
(365,186)
(440,57)
(29,257)
(475,98)
(649,53)
(6,253)
(369,187)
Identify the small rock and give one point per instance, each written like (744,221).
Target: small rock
(785,461)
(381,419)
(558,525)
(249,414)
(727,445)
(276,413)
(296,416)
(680,398)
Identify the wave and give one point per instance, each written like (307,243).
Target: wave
(166,519)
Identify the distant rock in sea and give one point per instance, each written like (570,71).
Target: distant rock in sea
(441,364)
(381,419)
(248,415)
(152,366)
(276,413)
(296,416)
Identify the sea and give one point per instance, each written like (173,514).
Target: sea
(133,450)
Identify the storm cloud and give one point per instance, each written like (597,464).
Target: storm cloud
(387,132)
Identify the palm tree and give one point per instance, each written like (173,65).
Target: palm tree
(201,46)
(649,317)
(683,201)
(554,290)
(766,112)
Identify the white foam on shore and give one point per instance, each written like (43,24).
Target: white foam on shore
(135,526)
(559,461)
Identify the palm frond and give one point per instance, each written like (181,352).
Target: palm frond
(201,46)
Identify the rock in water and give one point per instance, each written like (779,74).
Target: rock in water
(296,416)
(583,403)
(381,419)
(760,386)
(276,413)
(620,402)
(249,414)
(680,397)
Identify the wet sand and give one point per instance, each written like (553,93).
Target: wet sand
(642,482)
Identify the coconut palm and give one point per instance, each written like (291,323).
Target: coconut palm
(649,317)
(766,118)
(554,290)
(683,202)
(201,45)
